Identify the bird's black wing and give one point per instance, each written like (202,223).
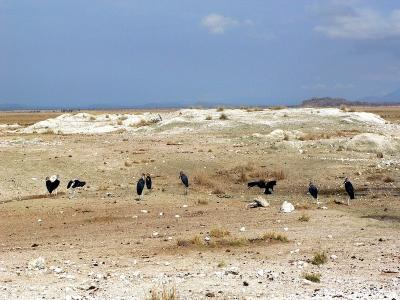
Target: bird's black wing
(313,191)
(81,183)
(49,186)
(185,180)
(259,183)
(56,183)
(349,189)
(271,184)
(148,182)
(69,184)
(140,186)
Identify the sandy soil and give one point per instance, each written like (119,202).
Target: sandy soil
(104,244)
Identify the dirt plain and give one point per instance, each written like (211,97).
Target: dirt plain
(104,244)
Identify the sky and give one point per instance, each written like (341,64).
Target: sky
(77,53)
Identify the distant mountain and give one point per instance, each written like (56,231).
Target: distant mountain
(10,106)
(392,97)
(331,102)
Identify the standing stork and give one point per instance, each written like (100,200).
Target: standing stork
(349,189)
(148,181)
(52,184)
(74,184)
(140,186)
(313,190)
(185,181)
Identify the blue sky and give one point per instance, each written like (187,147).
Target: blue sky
(120,52)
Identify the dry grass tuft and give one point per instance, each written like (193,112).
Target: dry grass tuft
(319,258)
(303,205)
(163,295)
(277,107)
(203,179)
(223,117)
(219,233)
(379,155)
(218,191)
(388,179)
(304,218)
(278,174)
(128,163)
(314,277)
(219,109)
(221,264)
(202,202)
(208,118)
(275,237)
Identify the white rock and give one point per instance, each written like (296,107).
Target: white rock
(285,228)
(177,216)
(207,238)
(37,264)
(58,270)
(242,229)
(330,236)
(185,205)
(161,213)
(155,233)
(333,257)
(287,207)
(144,211)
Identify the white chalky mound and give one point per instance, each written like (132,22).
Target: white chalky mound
(287,207)
(85,123)
(370,142)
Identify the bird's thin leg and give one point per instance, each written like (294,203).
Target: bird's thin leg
(348,201)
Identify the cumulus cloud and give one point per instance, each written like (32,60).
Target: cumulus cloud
(218,24)
(347,20)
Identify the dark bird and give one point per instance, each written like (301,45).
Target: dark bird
(52,183)
(140,186)
(260,184)
(349,189)
(313,190)
(148,181)
(74,184)
(185,181)
(268,186)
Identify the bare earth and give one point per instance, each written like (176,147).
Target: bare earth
(104,244)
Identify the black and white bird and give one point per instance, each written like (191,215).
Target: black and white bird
(140,186)
(74,184)
(313,190)
(148,181)
(262,184)
(52,184)
(185,181)
(349,189)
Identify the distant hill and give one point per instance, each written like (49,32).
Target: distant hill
(331,102)
(393,97)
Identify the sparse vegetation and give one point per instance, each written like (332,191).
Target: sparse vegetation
(222,238)
(208,118)
(319,258)
(219,109)
(379,155)
(279,107)
(202,202)
(218,191)
(165,294)
(388,179)
(314,277)
(219,233)
(221,264)
(223,117)
(275,237)
(304,218)
(203,179)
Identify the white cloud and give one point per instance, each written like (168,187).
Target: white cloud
(218,24)
(349,21)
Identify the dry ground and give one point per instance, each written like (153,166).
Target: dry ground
(102,245)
